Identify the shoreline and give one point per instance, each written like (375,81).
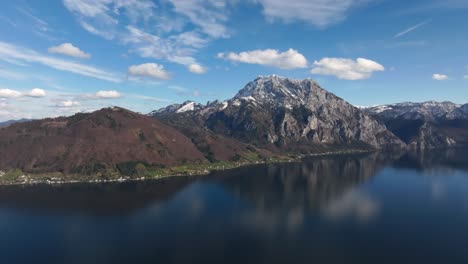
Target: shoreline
(188,173)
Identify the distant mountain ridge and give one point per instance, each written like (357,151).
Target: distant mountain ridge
(178,108)
(10,122)
(428,111)
(425,125)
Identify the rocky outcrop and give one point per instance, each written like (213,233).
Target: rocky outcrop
(425,125)
(430,137)
(427,111)
(296,115)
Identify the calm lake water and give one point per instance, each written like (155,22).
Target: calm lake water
(377,208)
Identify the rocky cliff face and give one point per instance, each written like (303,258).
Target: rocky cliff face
(425,125)
(428,111)
(290,114)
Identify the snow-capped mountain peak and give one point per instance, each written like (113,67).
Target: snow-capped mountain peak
(277,90)
(178,108)
(190,106)
(429,111)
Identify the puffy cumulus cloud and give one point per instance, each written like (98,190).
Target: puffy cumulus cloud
(466,76)
(347,69)
(439,77)
(151,70)
(68,103)
(36,92)
(290,59)
(320,13)
(69,50)
(107,95)
(196,68)
(8,93)
(22,56)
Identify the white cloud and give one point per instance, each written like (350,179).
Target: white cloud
(70,50)
(190,39)
(410,29)
(107,95)
(347,69)
(151,32)
(88,8)
(36,92)
(320,13)
(151,70)
(8,93)
(290,59)
(107,34)
(9,52)
(68,103)
(439,77)
(177,48)
(196,68)
(100,17)
(209,15)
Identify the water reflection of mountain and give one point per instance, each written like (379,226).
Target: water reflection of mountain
(108,198)
(310,184)
(295,185)
(447,159)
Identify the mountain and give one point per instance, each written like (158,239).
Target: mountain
(110,142)
(178,108)
(96,141)
(425,125)
(9,122)
(284,114)
(427,111)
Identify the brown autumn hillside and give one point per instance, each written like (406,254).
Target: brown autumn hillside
(86,143)
(104,138)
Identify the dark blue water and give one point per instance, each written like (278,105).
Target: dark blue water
(377,208)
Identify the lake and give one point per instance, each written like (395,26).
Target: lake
(366,208)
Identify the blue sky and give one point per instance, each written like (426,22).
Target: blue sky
(62,57)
